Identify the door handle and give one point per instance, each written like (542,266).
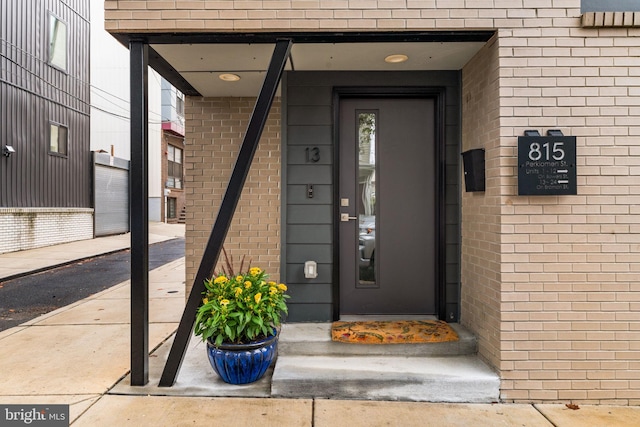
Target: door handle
(344,217)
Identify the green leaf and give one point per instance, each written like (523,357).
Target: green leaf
(258,321)
(207,333)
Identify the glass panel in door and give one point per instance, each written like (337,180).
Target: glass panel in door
(366,197)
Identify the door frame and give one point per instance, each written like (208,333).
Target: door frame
(438,95)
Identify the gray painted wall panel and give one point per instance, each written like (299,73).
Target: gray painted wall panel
(309,115)
(366,78)
(322,283)
(310,293)
(322,194)
(453,273)
(310,95)
(314,234)
(309,214)
(310,135)
(298,254)
(299,154)
(304,174)
(309,312)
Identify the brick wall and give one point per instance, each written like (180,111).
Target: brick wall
(480,266)
(568,277)
(243,15)
(214,131)
(570,265)
(29,228)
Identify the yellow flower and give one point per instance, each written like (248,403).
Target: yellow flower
(224,302)
(257,297)
(271,283)
(254,271)
(238,291)
(282,287)
(247,284)
(239,278)
(205,300)
(220,280)
(273,290)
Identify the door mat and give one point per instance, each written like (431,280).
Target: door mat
(393,332)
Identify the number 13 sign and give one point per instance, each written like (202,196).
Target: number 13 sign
(547,165)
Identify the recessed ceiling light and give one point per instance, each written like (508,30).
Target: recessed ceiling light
(394,59)
(228,77)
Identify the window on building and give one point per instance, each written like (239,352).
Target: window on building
(172,208)
(174,167)
(180,103)
(57,43)
(58,135)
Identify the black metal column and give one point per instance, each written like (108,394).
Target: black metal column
(139,212)
(227,208)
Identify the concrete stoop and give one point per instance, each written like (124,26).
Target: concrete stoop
(310,365)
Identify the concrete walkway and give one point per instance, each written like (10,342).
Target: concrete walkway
(79,355)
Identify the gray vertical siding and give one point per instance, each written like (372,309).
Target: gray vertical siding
(33,94)
(309,222)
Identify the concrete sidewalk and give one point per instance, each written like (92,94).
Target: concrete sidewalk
(79,355)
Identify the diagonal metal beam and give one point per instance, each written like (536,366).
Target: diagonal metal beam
(227,209)
(139,214)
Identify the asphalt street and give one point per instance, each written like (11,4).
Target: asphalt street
(28,297)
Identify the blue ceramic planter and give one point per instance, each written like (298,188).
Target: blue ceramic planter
(242,363)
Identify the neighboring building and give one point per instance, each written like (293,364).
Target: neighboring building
(45,178)
(65,94)
(173,210)
(377,103)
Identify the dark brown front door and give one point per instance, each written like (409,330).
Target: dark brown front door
(387,206)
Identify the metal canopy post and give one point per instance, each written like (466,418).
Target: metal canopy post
(227,209)
(139,213)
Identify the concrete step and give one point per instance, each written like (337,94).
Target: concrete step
(310,365)
(421,379)
(315,338)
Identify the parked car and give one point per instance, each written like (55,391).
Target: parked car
(367,239)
